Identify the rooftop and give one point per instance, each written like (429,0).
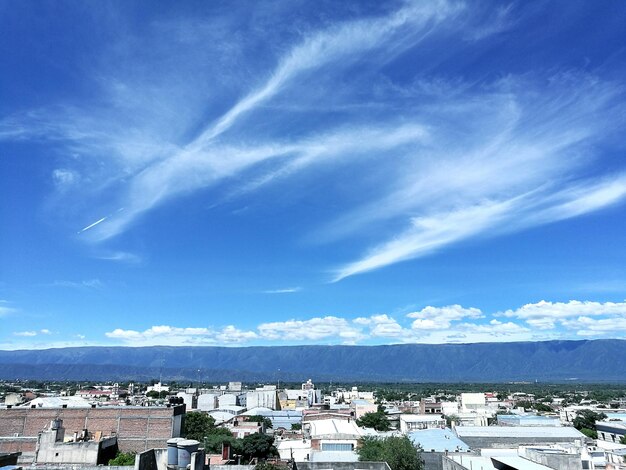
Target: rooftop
(438,440)
(518,431)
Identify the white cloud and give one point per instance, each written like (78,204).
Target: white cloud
(588,318)
(25,333)
(382,326)
(7,310)
(469,160)
(286,290)
(88,284)
(314,329)
(446,324)
(588,326)
(64,178)
(122,256)
(433,318)
(172,336)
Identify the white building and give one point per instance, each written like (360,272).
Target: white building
(414,422)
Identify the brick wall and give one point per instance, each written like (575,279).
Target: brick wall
(137,428)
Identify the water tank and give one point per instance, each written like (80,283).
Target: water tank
(172,451)
(56,424)
(185,448)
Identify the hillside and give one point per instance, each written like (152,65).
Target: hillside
(598,360)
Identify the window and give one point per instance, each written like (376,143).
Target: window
(335,447)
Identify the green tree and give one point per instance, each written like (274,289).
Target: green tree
(123,459)
(377,420)
(542,407)
(216,438)
(197,425)
(585,422)
(592,433)
(296,426)
(452,419)
(259,446)
(398,451)
(622,440)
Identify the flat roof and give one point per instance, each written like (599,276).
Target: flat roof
(439,440)
(518,431)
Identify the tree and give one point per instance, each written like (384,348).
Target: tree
(622,440)
(296,426)
(197,425)
(377,420)
(216,438)
(155,394)
(586,419)
(542,407)
(452,419)
(123,459)
(398,451)
(259,446)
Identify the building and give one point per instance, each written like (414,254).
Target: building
(435,443)
(528,420)
(410,423)
(266,397)
(473,402)
(82,449)
(499,437)
(137,427)
(430,407)
(611,431)
(360,407)
(477,462)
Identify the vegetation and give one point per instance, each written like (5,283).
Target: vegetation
(296,426)
(123,459)
(585,422)
(197,425)
(377,420)
(155,394)
(261,419)
(398,452)
(256,446)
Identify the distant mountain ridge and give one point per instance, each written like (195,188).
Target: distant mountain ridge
(601,360)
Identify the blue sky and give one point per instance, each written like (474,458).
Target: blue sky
(236,173)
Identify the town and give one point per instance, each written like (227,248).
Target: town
(240,426)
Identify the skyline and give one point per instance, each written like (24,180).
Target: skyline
(289,173)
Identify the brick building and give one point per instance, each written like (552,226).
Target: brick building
(137,428)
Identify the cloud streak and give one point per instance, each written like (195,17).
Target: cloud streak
(430,159)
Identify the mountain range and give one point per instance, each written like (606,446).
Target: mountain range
(601,360)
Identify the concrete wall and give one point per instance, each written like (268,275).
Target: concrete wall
(561,461)
(447,464)
(510,442)
(137,428)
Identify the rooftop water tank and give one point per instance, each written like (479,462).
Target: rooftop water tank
(172,451)
(186,447)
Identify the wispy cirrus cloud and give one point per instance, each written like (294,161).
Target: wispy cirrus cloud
(31,333)
(435,159)
(285,290)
